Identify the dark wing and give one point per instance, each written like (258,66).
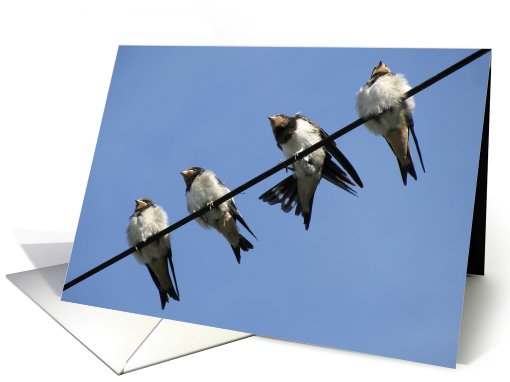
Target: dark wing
(232,208)
(162,296)
(333,149)
(234,211)
(334,174)
(410,126)
(174,293)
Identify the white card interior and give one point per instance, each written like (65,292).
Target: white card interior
(123,341)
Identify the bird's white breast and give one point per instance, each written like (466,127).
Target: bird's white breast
(304,136)
(384,94)
(141,227)
(204,189)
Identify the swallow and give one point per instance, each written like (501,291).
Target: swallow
(294,134)
(147,220)
(203,187)
(380,98)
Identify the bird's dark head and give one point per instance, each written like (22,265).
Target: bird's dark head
(142,204)
(280,121)
(190,174)
(379,70)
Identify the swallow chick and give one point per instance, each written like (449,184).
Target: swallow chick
(380,98)
(203,187)
(294,134)
(147,220)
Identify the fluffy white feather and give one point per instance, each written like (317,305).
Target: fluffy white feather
(305,136)
(151,221)
(384,94)
(204,189)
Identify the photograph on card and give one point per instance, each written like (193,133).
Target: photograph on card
(318,195)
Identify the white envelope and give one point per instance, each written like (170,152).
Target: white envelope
(123,341)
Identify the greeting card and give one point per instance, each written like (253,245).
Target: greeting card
(353,185)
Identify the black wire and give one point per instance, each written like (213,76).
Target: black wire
(271,171)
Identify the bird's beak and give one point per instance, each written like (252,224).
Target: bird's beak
(140,204)
(381,68)
(272,121)
(186,173)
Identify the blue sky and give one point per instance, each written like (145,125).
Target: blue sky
(382,272)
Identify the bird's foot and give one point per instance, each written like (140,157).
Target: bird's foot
(287,168)
(210,205)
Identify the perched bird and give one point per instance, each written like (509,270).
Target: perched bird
(147,220)
(203,187)
(294,134)
(382,94)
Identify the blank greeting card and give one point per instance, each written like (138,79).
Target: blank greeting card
(359,178)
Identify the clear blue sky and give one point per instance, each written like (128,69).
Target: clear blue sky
(381,273)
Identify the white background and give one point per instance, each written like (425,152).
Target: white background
(56,60)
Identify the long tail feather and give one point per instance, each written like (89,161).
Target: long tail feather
(284,192)
(417,147)
(407,168)
(243,244)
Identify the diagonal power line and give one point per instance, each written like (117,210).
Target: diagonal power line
(425,84)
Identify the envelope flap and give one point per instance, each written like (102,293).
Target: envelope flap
(173,339)
(111,335)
